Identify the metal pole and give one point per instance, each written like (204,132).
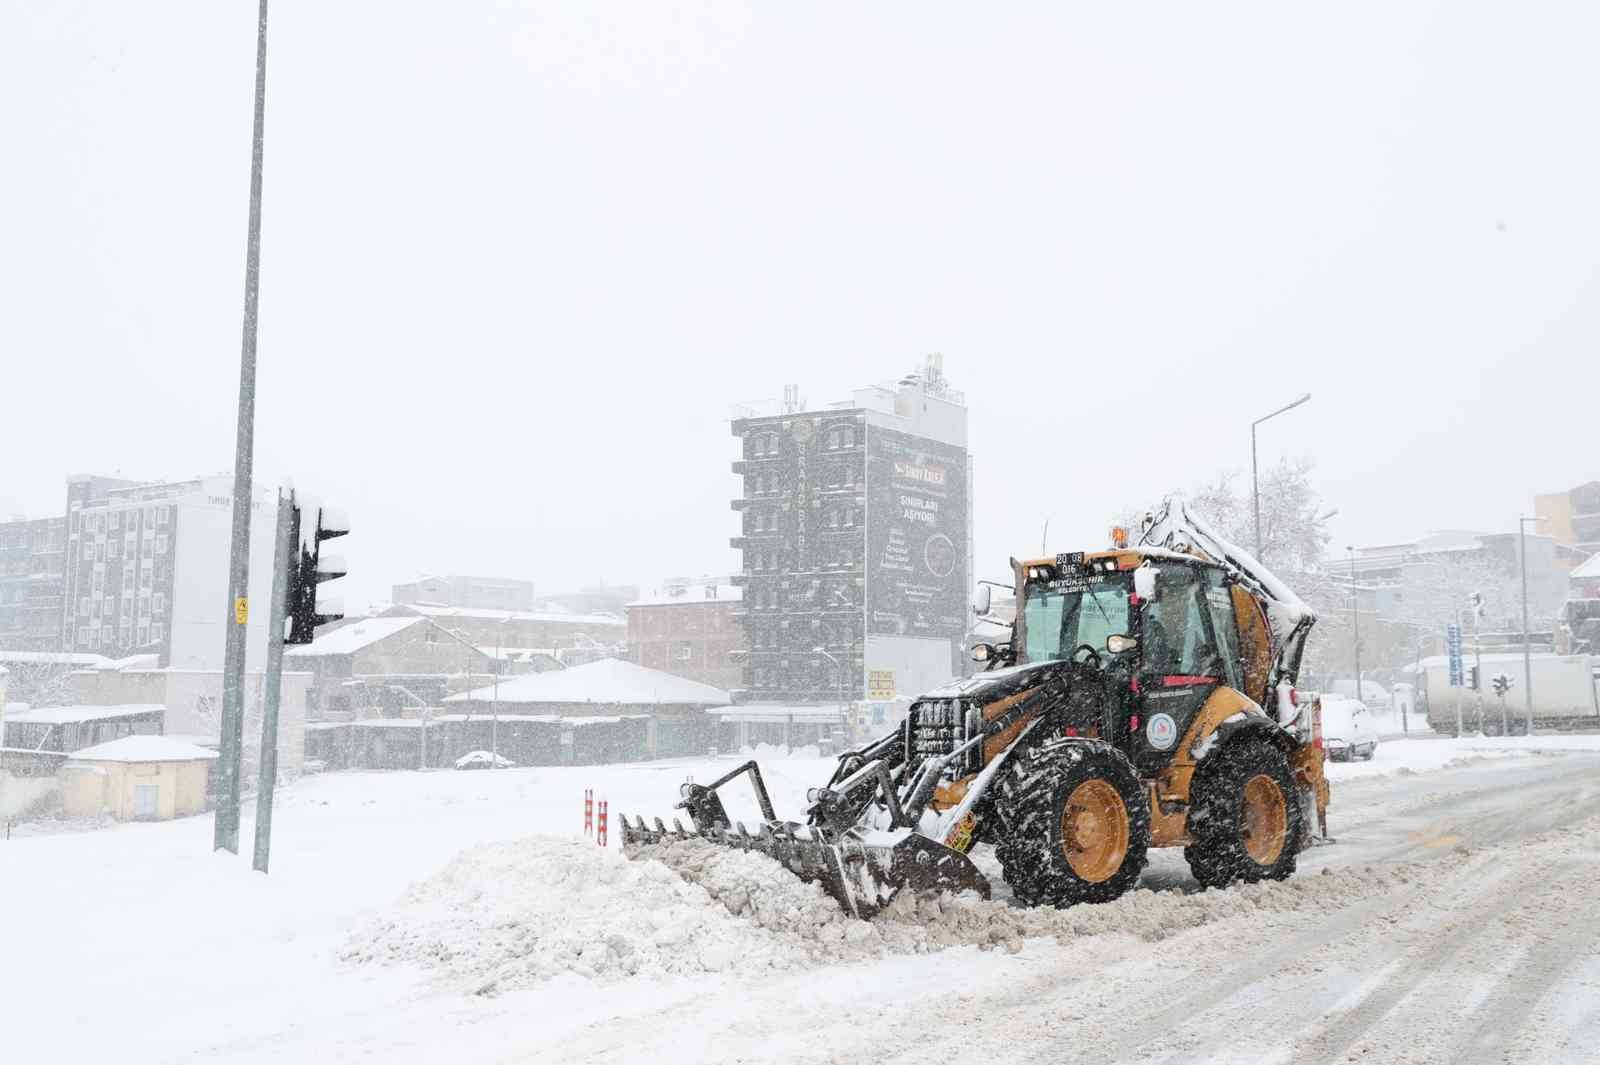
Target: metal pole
(1255,487)
(1355,621)
(4,814)
(494,709)
(1527,657)
(1255,484)
(278,616)
(1477,665)
(225,834)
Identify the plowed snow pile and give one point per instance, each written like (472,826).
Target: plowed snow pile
(514,914)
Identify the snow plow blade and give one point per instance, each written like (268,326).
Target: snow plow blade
(861,872)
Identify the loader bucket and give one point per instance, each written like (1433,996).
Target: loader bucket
(861,873)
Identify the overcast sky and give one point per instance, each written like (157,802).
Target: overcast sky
(520,259)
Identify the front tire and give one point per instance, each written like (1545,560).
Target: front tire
(1074,824)
(1245,820)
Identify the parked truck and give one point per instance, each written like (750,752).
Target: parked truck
(1565,694)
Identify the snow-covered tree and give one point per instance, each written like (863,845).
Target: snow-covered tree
(40,684)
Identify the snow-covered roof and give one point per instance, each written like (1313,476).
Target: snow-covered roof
(348,639)
(73,715)
(431,611)
(1589,570)
(691,595)
(800,713)
(53,658)
(144,749)
(608,680)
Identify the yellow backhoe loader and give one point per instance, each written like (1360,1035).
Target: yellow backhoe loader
(1145,698)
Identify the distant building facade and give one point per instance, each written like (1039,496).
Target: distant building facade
(32,583)
(690,629)
(855,541)
(478,593)
(515,634)
(1572,517)
(146,569)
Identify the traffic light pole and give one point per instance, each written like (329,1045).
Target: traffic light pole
(225,831)
(278,618)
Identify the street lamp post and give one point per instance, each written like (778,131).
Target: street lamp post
(1527,656)
(1355,621)
(225,827)
(1255,478)
(838,677)
(494,711)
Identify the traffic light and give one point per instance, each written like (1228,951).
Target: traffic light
(309,568)
(1472,677)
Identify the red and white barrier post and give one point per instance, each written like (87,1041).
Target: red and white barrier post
(588,811)
(600,833)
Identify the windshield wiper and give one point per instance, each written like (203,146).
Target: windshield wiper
(1098,607)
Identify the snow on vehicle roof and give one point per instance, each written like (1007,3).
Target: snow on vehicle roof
(74,715)
(144,749)
(1590,568)
(348,639)
(607,680)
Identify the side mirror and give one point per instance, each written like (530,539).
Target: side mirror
(982,652)
(982,600)
(1117,643)
(1144,582)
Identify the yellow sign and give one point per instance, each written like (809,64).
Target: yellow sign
(241,611)
(880,685)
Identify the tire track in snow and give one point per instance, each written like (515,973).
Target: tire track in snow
(1452,938)
(1572,937)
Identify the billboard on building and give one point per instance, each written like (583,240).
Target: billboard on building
(917,552)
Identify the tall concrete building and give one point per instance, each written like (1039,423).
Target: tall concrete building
(32,578)
(856,540)
(147,567)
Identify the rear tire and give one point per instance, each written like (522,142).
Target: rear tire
(1073,824)
(1245,820)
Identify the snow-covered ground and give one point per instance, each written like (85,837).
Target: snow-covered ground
(462,917)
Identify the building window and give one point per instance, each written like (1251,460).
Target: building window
(161,544)
(144,635)
(116,518)
(114,550)
(127,579)
(158,632)
(164,513)
(93,638)
(110,606)
(160,607)
(83,607)
(100,551)
(144,606)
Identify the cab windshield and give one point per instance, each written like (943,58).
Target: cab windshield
(1063,615)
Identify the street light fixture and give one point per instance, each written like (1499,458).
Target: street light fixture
(838,676)
(1527,656)
(1355,621)
(1255,481)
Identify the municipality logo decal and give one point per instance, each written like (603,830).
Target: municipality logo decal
(1161,731)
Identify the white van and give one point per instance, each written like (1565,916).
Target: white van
(1347,729)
